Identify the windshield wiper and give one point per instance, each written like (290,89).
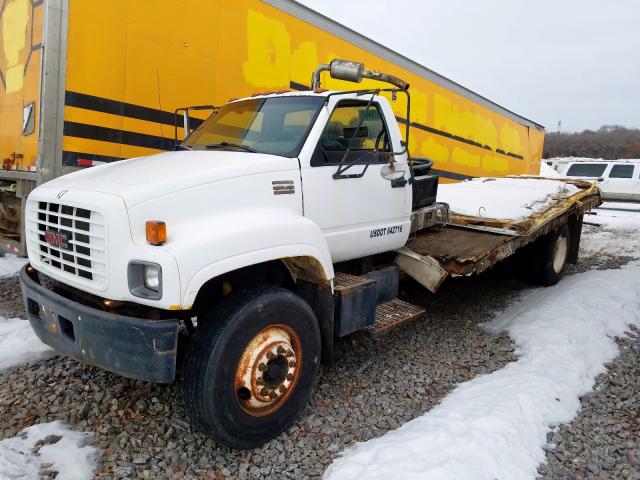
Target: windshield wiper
(181,147)
(229,144)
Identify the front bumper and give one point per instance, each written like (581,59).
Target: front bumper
(132,347)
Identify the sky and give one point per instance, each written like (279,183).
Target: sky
(574,61)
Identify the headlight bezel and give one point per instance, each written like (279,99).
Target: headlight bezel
(137,279)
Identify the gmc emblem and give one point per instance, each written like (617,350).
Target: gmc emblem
(57,239)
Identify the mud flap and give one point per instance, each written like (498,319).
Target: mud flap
(424,269)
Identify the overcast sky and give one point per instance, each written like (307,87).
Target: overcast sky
(577,61)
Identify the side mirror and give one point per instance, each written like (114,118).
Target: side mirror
(392,171)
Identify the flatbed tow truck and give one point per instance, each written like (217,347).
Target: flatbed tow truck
(285,220)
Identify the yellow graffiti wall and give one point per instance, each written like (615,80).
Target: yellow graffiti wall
(190,52)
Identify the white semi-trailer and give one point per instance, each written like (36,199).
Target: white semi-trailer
(283,221)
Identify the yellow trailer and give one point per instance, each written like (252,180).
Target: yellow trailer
(85,82)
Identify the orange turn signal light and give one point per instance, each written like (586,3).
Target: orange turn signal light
(156,232)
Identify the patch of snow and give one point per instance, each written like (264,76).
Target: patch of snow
(587,159)
(616,215)
(503,198)
(547,171)
(495,426)
(615,232)
(19,344)
(47,448)
(11,264)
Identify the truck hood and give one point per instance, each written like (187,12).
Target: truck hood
(142,179)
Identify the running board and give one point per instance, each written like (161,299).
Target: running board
(393,314)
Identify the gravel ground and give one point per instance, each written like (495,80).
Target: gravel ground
(374,387)
(603,442)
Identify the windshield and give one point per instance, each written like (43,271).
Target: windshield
(275,125)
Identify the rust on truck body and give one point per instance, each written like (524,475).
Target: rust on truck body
(584,200)
(471,245)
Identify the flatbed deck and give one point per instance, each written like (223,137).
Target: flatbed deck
(471,244)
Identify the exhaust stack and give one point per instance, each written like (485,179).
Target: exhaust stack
(353,72)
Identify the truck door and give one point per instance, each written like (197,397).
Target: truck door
(619,184)
(364,214)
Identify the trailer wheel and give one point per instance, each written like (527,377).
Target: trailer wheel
(550,257)
(251,366)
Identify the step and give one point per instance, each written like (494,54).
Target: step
(386,282)
(392,314)
(355,303)
(344,281)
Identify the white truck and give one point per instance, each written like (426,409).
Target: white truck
(283,221)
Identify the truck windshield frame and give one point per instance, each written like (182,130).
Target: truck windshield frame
(270,125)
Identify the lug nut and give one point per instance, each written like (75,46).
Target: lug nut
(273,395)
(283,389)
(292,363)
(270,355)
(259,380)
(281,350)
(290,353)
(262,367)
(290,376)
(264,392)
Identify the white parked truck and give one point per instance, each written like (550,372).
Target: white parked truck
(281,222)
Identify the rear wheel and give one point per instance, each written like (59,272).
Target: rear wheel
(251,366)
(544,261)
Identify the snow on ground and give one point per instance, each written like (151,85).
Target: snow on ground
(11,265)
(41,450)
(615,229)
(486,197)
(19,345)
(495,426)
(615,215)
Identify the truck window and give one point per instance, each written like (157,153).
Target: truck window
(341,129)
(274,125)
(621,171)
(586,170)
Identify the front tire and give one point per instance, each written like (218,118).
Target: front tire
(251,366)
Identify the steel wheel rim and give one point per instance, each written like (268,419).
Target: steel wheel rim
(560,253)
(268,370)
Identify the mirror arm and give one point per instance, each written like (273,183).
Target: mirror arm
(341,167)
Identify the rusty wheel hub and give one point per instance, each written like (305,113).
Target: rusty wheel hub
(268,370)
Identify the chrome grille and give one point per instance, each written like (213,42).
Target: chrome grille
(70,239)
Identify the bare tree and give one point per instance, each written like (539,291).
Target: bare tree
(610,142)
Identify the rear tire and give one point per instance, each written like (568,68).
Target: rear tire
(546,259)
(251,366)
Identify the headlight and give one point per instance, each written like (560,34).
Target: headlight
(145,279)
(152,277)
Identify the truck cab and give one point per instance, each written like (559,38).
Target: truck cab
(254,183)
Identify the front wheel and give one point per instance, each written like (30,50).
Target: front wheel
(251,367)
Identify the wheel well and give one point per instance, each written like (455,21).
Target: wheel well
(302,275)
(273,273)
